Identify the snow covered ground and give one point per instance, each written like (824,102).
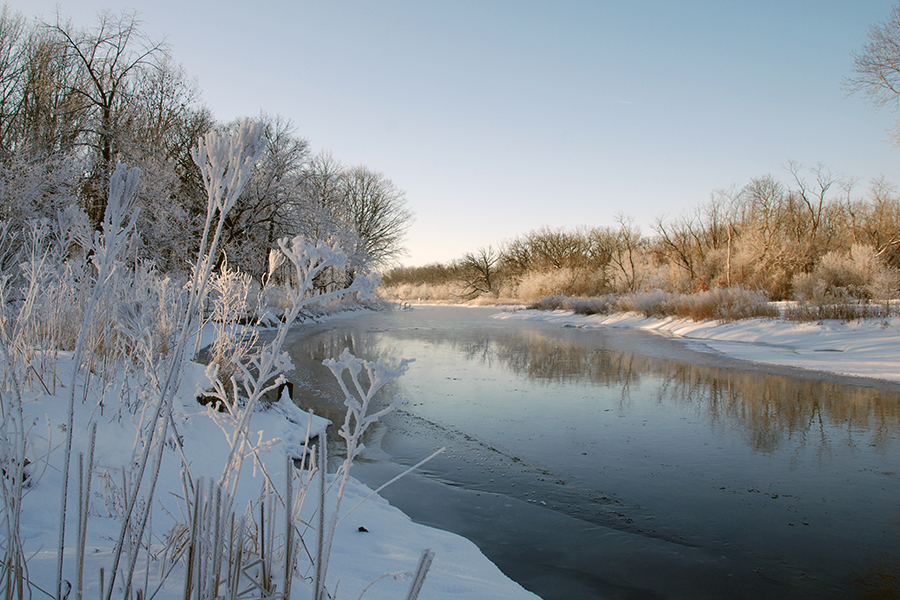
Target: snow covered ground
(391,543)
(385,553)
(869,349)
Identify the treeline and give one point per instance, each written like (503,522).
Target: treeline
(75,102)
(814,237)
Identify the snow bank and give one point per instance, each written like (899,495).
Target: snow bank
(389,547)
(869,348)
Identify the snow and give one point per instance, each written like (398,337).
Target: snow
(869,348)
(391,545)
(391,542)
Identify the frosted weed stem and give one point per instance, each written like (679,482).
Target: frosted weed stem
(107,248)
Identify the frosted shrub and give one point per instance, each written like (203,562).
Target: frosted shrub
(229,298)
(651,304)
(33,189)
(599,305)
(565,281)
(884,285)
(230,295)
(851,271)
(827,303)
(537,284)
(809,288)
(726,304)
(841,286)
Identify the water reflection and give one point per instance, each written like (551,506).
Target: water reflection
(772,410)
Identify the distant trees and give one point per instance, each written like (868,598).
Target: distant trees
(809,235)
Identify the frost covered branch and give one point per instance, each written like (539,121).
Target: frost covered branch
(357,398)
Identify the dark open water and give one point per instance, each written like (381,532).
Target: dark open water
(587,471)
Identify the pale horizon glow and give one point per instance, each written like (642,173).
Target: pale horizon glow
(501,117)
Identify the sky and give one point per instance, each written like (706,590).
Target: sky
(500,117)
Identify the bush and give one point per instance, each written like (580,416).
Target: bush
(831,303)
(601,305)
(566,282)
(653,303)
(726,304)
(842,285)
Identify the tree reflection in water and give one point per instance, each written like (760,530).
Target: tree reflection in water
(772,410)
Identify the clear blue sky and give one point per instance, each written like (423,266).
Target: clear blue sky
(499,117)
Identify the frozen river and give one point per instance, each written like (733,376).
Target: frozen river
(585,468)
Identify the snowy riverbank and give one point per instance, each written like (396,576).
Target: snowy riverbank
(390,545)
(869,349)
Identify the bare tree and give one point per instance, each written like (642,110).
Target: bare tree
(375,208)
(813,197)
(478,271)
(108,58)
(877,67)
(12,66)
(680,243)
(629,243)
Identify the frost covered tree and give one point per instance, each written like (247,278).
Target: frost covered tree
(109,60)
(322,195)
(271,205)
(357,208)
(75,101)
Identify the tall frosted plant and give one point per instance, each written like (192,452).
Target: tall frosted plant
(15,355)
(225,160)
(257,374)
(106,246)
(358,395)
(260,372)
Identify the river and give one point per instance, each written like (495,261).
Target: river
(586,464)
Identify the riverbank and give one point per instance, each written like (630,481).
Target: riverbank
(375,548)
(866,349)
